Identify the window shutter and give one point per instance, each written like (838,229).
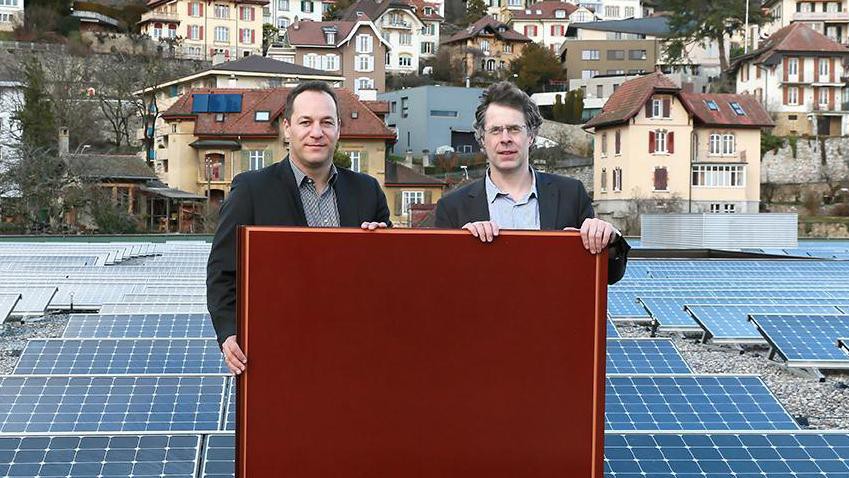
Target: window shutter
(802,70)
(648,108)
(651,141)
(201,33)
(666,107)
(253,14)
(267,158)
(428,199)
(785,64)
(831,69)
(397,207)
(253,36)
(816,98)
(618,143)
(246,160)
(200,8)
(660,179)
(670,142)
(785,94)
(831,99)
(189,9)
(364,162)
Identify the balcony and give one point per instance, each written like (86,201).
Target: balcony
(399,24)
(821,16)
(160,16)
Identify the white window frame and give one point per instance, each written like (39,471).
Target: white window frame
(408,58)
(718,176)
(364,63)
(222,32)
(656,108)
(590,54)
(823,68)
(331,62)
(617,180)
(729,144)
(256,159)
(355,160)
(283,5)
(823,99)
(246,35)
(793,96)
(660,145)
(222,11)
(364,43)
(792,66)
(603,180)
(405,39)
(408,198)
(363,82)
(715,144)
(485,45)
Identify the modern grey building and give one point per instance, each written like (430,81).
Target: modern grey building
(429,117)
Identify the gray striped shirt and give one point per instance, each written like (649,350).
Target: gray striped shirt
(320,209)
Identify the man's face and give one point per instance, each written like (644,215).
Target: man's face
(313,130)
(506,138)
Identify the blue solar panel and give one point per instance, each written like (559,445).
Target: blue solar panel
(49,404)
(99,456)
(139,326)
(668,313)
(692,402)
(219,458)
(120,356)
(755,455)
(644,356)
(729,323)
(806,340)
(611,330)
(623,305)
(230,415)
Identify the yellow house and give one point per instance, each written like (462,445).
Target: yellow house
(232,28)
(405,187)
(486,46)
(654,141)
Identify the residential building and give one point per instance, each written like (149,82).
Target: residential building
(95,17)
(11,14)
(232,28)
(405,187)
(353,50)
(428,119)
(410,28)
(11,99)
(586,59)
(655,142)
(486,46)
(282,13)
(214,134)
(800,76)
(613,9)
(831,18)
(543,22)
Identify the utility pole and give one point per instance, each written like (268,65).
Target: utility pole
(746,46)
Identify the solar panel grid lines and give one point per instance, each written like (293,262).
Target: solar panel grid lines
(85,403)
(139,326)
(644,355)
(219,458)
(152,308)
(805,341)
(166,298)
(742,454)
(33,302)
(7,305)
(728,323)
(611,329)
(692,402)
(85,356)
(84,456)
(230,408)
(843,343)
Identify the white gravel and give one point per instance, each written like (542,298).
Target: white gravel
(14,335)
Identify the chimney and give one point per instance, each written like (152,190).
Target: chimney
(408,159)
(64,141)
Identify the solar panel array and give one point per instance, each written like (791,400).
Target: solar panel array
(136,385)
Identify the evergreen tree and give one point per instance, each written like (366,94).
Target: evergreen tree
(535,67)
(558,111)
(475,10)
(36,113)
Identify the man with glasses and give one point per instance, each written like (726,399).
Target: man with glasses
(513,195)
(304,189)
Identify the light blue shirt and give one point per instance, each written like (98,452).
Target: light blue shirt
(511,214)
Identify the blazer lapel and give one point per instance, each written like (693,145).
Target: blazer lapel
(548,202)
(476,205)
(288,184)
(345,204)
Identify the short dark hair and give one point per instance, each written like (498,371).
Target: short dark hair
(507,94)
(316,85)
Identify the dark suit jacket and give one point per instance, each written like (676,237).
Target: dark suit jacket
(270,197)
(563,202)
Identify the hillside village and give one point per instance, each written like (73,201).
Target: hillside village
(135,117)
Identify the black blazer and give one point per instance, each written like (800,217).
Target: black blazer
(270,197)
(563,202)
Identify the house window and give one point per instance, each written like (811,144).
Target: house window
(283,5)
(194,32)
(222,34)
(603,180)
(661,179)
(364,84)
(393,106)
(485,45)
(256,159)
(310,60)
(587,74)
(711,104)
(508,48)
(590,55)
(194,9)
(660,141)
(715,144)
(656,108)
(793,66)
(617,179)
(603,144)
(719,176)
(246,13)
(728,144)
(405,107)
(444,113)
(364,43)
(629,12)
(222,11)
(560,14)
(558,30)
(611,12)
(408,198)
(599,91)
(729,208)
(823,67)
(405,61)
(330,62)
(617,143)
(365,62)
(405,39)
(157,30)
(262,115)
(615,54)
(530,30)
(637,54)
(247,35)
(282,23)
(793,95)
(355,160)
(306,6)
(823,97)
(427,47)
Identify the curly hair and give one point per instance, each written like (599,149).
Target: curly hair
(507,94)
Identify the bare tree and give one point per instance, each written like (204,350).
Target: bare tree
(114,84)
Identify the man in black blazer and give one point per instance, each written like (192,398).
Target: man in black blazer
(305,189)
(514,196)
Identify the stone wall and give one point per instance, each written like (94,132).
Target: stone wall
(821,229)
(810,164)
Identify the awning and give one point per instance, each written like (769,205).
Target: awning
(172,193)
(216,144)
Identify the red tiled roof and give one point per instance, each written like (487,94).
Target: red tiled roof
(373,10)
(627,100)
(544,11)
(420,12)
(755,114)
(492,25)
(305,33)
(400,175)
(156,3)
(378,107)
(365,125)
(796,37)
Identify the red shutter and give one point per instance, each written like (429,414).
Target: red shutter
(648,108)
(802,70)
(200,9)
(253,37)
(253,14)
(831,70)
(757,72)
(189,9)
(816,98)
(666,107)
(651,141)
(660,179)
(831,99)
(618,143)
(785,94)
(786,71)
(670,142)
(201,33)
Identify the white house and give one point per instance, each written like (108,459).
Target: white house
(543,22)
(11,14)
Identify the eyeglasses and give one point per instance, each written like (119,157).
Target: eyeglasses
(512,129)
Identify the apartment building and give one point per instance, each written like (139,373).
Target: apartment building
(543,22)
(613,9)
(831,18)
(282,13)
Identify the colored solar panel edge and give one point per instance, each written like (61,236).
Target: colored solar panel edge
(728,323)
(644,355)
(219,456)
(139,326)
(805,341)
(611,329)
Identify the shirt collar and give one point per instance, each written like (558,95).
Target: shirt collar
(493,192)
(301,177)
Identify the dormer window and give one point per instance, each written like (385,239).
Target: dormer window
(539,12)
(330,37)
(560,14)
(428,11)
(739,109)
(262,115)
(527,12)
(219,117)
(712,105)
(360,14)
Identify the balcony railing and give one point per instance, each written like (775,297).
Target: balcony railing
(162,16)
(396,24)
(821,16)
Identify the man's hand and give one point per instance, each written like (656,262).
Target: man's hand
(233,356)
(486,231)
(597,234)
(370,226)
